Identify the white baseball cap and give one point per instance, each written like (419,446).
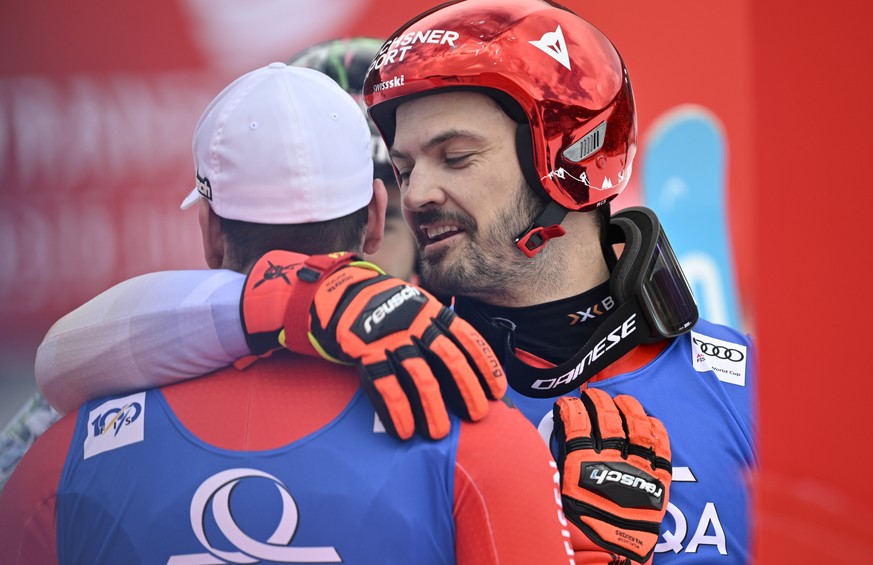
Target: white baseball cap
(282,145)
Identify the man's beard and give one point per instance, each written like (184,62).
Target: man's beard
(487,267)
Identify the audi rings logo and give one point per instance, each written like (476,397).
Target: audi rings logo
(720,351)
(214,494)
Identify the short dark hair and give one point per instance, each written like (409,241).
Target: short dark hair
(245,242)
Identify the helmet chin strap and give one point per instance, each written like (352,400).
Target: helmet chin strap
(546,225)
(604,212)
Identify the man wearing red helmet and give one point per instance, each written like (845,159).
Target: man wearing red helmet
(512,126)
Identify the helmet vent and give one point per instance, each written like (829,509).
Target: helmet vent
(588,145)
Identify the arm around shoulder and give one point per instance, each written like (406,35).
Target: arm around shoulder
(149,331)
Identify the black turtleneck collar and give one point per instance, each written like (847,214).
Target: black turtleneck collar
(553,331)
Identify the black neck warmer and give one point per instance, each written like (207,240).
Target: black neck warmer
(553,331)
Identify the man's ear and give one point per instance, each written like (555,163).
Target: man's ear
(376,217)
(210,230)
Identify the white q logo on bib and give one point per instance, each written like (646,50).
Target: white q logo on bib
(216,490)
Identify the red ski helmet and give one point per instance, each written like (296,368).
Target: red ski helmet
(550,70)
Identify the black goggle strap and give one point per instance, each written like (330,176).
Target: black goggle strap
(626,328)
(546,225)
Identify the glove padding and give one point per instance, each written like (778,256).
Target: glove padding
(414,355)
(615,471)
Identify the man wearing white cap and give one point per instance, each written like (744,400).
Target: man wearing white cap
(280,460)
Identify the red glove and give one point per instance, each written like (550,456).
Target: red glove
(615,471)
(415,356)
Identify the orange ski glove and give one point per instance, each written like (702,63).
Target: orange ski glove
(414,355)
(615,471)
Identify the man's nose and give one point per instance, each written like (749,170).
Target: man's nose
(423,188)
